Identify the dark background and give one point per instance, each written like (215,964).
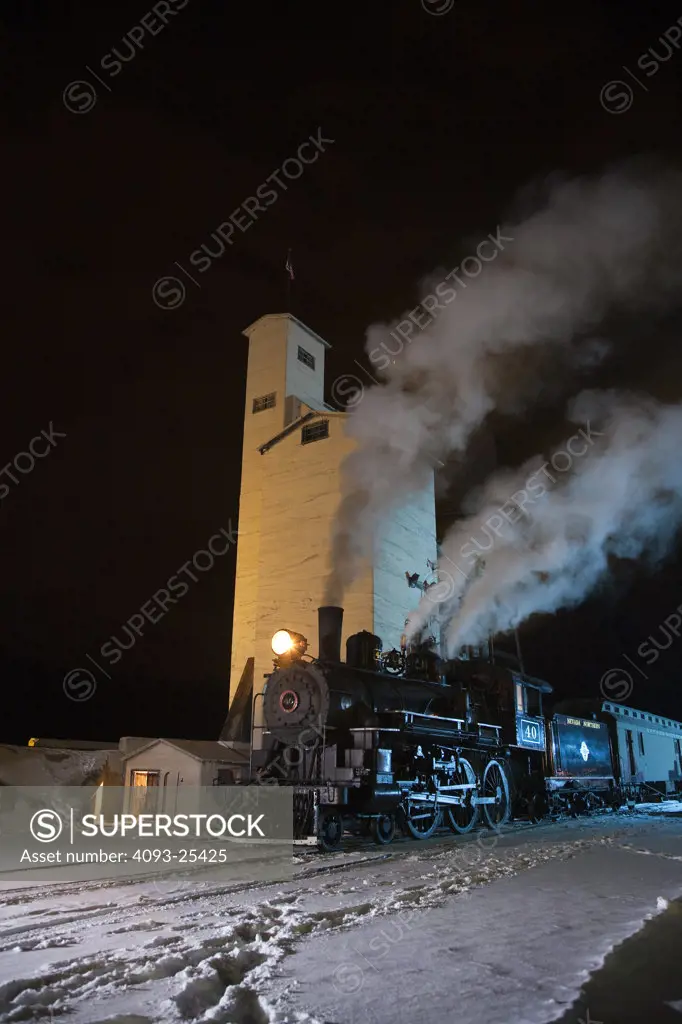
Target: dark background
(438,120)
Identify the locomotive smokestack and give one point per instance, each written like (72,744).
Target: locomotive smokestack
(330,624)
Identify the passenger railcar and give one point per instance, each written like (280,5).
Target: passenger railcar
(647,751)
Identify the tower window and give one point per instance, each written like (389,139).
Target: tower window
(306,358)
(641,742)
(264,402)
(315,432)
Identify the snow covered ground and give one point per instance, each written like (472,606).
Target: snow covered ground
(664,807)
(480,928)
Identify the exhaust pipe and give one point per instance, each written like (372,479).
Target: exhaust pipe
(330,626)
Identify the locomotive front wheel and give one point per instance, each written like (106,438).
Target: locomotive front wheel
(422,820)
(330,832)
(462,818)
(496,785)
(383,829)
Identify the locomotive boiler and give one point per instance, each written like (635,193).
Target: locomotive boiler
(396,739)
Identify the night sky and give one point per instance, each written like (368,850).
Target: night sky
(439,113)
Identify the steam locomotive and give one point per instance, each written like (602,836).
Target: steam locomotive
(402,739)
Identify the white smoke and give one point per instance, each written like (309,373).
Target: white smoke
(542,537)
(598,246)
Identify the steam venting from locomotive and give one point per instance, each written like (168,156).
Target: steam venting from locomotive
(530,321)
(546,537)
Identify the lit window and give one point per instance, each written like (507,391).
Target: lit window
(315,432)
(264,402)
(306,358)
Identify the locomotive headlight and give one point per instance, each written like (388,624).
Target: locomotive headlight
(282,642)
(286,642)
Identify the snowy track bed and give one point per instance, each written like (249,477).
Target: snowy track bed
(511,924)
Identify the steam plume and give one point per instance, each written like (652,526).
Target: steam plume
(545,545)
(597,246)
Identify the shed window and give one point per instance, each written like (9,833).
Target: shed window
(264,402)
(306,358)
(138,778)
(315,432)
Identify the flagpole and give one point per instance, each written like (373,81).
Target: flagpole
(288,268)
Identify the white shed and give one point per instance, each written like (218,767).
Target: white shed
(162,763)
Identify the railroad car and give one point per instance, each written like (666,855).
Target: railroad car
(405,740)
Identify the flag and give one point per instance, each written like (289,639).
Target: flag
(289,266)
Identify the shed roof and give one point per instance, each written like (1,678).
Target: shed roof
(201,750)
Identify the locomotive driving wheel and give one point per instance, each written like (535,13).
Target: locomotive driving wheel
(462,818)
(422,818)
(496,787)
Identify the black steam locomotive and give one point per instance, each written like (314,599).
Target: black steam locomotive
(404,740)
